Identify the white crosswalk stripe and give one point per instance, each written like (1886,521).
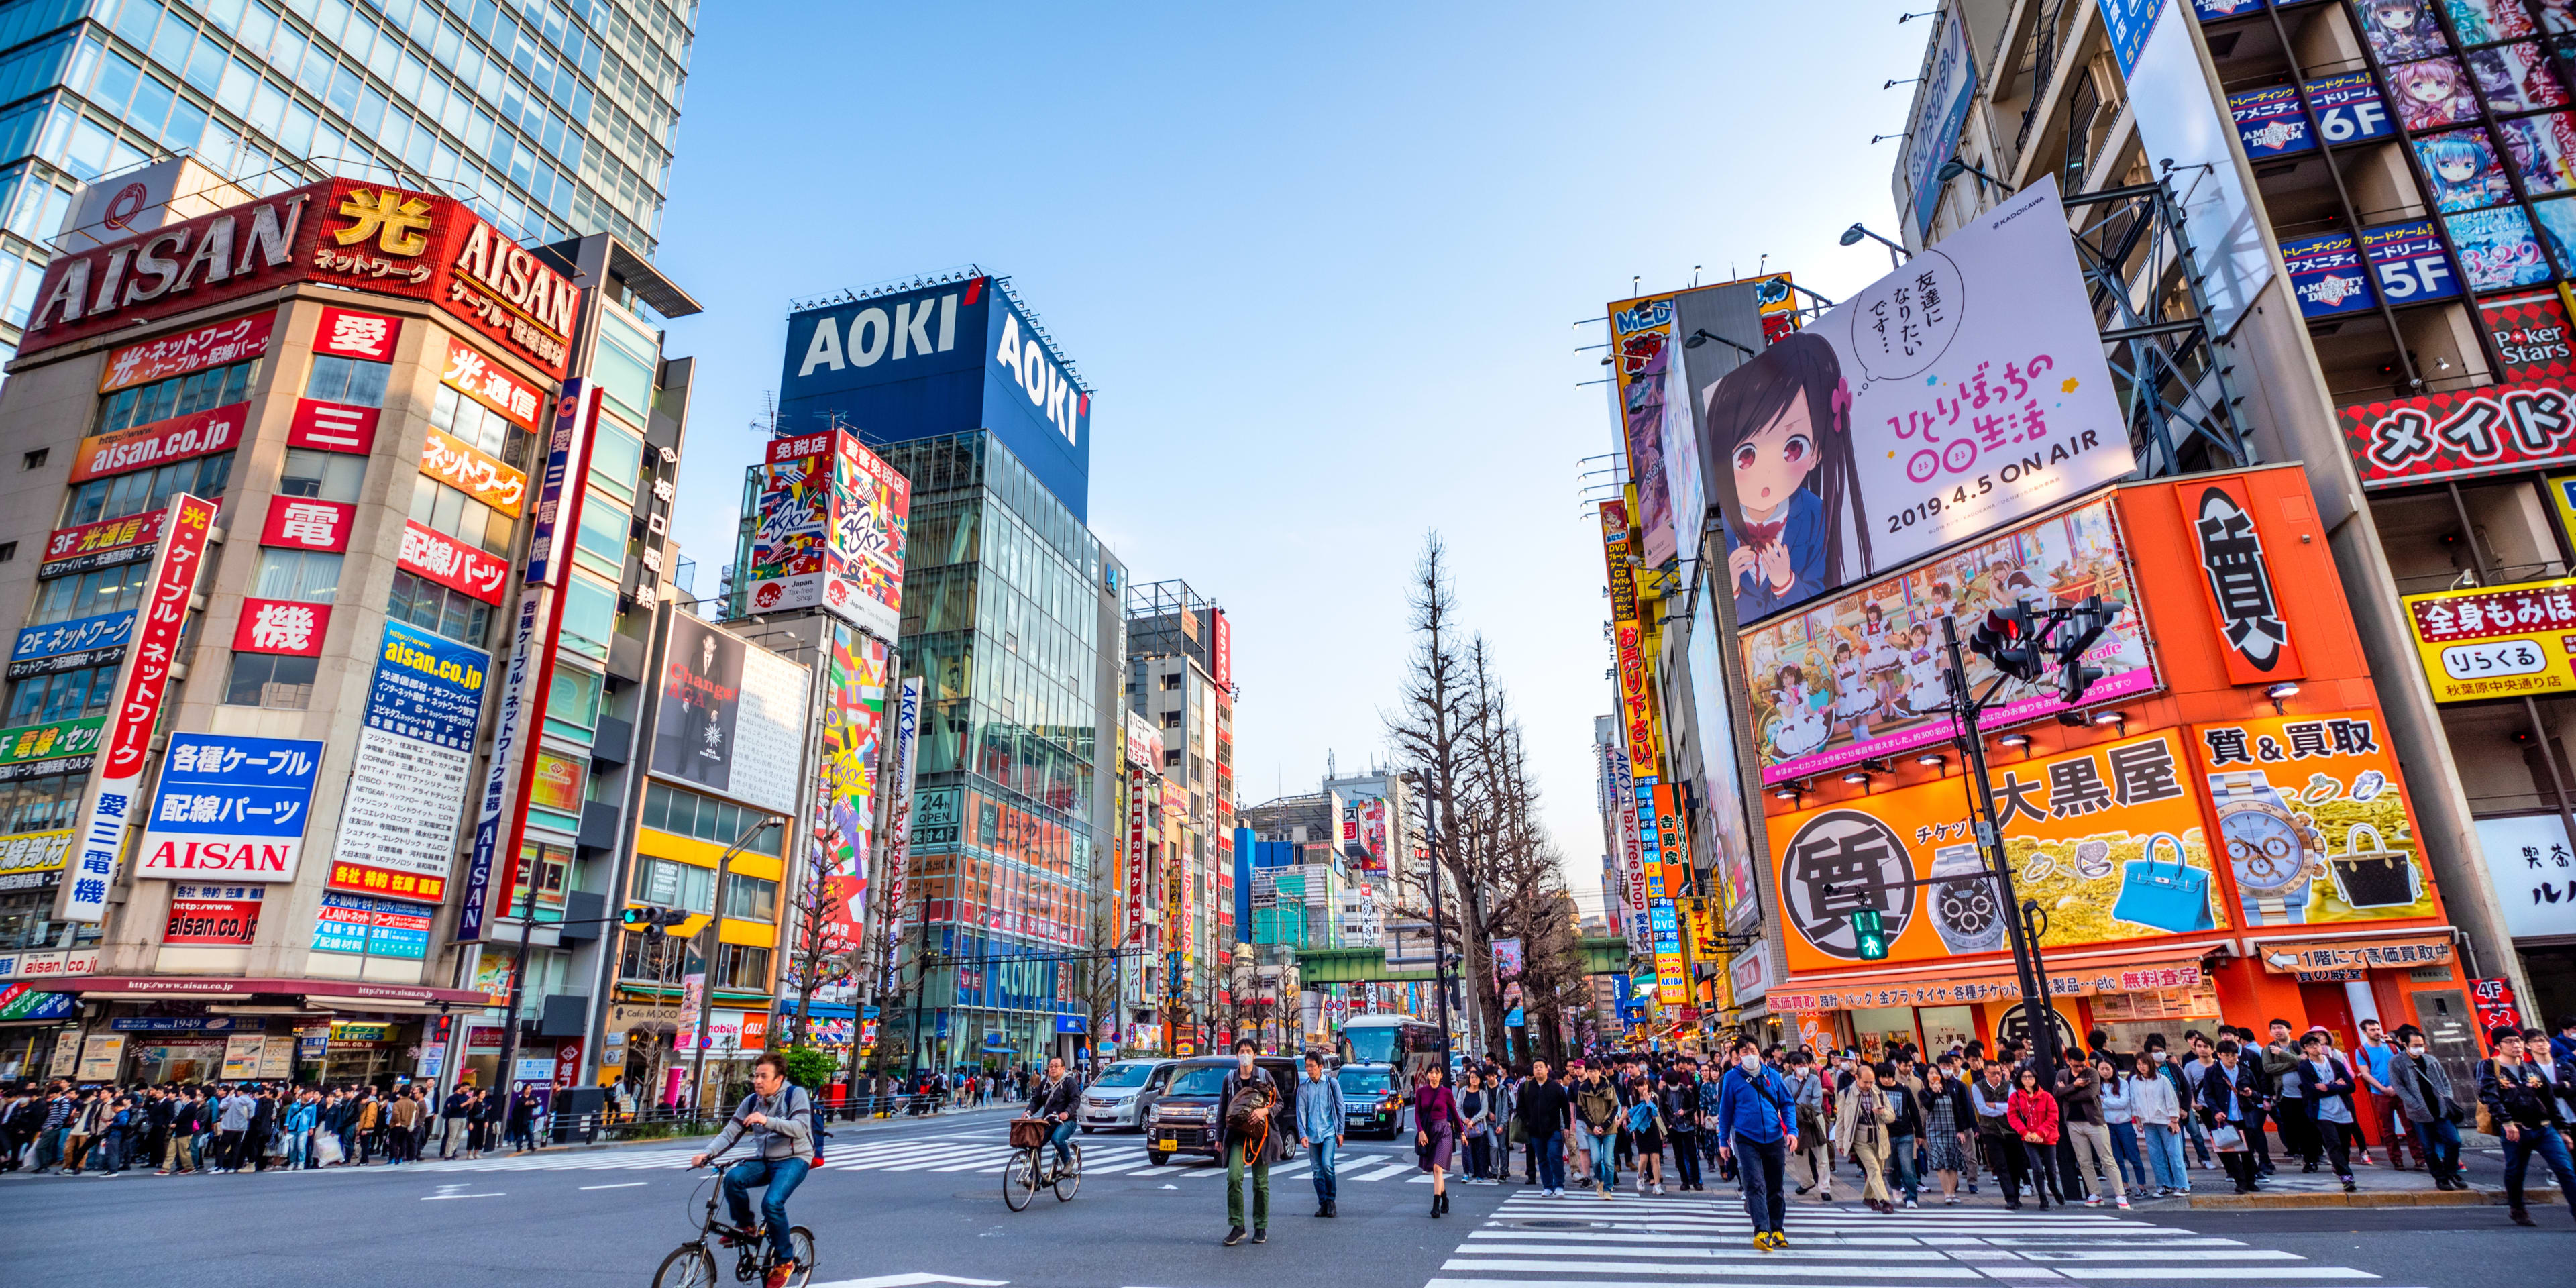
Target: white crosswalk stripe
(979,1154)
(1694,1242)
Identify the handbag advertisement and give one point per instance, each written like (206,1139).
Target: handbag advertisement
(2312,813)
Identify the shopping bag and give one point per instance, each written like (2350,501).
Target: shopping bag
(2172,899)
(326,1148)
(2377,877)
(2227,1139)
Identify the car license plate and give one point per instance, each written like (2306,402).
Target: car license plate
(1171,1142)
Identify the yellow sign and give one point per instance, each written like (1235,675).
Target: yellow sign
(2497,641)
(2562,490)
(33,852)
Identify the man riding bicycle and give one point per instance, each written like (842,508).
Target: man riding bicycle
(1054,1098)
(780,1119)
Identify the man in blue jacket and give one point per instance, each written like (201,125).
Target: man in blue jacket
(1757,1124)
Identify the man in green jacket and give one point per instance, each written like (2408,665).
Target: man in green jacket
(1596,1115)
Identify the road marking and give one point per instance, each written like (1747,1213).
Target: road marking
(1383,1172)
(433,1198)
(622,1185)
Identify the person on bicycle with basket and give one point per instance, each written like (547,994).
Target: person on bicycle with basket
(1053,1098)
(779,1117)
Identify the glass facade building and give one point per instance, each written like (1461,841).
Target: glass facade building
(552,118)
(1001,620)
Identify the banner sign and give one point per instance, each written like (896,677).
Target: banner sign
(907,741)
(141,684)
(230,807)
(2497,641)
(2270,122)
(372,880)
(465,467)
(432,554)
(333,427)
(303,523)
(2409,263)
(281,626)
(351,923)
(1938,404)
(79,635)
(215,344)
(198,433)
(2366,954)
(415,761)
(61,738)
(213,914)
(1999,988)
(830,531)
(2349,109)
(2530,334)
(487,382)
(2461,433)
(2326,274)
(30,860)
(108,543)
(2313,814)
(2236,581)
(348,333)
(1860,677)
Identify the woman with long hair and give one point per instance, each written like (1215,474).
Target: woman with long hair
(1436,1124)
(2033,1115)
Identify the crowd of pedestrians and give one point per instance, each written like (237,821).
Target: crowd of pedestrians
(252,1126)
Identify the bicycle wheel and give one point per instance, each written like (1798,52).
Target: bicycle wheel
(802,1240)
(689,1266)
(1020,1180)
(1066,1182)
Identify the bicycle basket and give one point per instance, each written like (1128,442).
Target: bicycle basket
(1029,1133)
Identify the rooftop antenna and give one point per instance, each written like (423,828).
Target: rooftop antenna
(1694,274)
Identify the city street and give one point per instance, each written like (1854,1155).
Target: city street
(920,1202)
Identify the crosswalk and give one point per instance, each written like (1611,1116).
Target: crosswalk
(979,1152)
(1683,1241)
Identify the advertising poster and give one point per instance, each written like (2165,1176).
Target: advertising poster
(854,724)
(701,704)
(2326,274)
(2461,166)
(2270,122)
(213,914)
(1940,111)
(871,510)
(2529,859)
(2530,334)
(2107,840)
(1860,677)
(2543,149)
(354,923)
(899,819)
(769,731)
(2313,816)
(2497,641)
(2409,263)
(86,639)
(415,762)
(1721,790)
(1721,327)
(2461,434)
(2236,579)
(230,808)
(2349,109)
(101,1054)
(1941,402)
(2498,249)
(1645,350)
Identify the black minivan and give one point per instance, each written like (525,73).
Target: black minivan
(1184,1118)
(1373,1099)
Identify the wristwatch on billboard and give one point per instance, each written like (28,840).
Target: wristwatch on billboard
(2275,855)
(1965,912)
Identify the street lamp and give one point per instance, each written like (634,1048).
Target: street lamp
(1702,336)
(1896,254)
(1954,167)
(707,961)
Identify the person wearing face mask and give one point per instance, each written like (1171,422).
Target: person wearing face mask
(1257,1129)
(2423,1090)
(1813,1146)
(1757,1126)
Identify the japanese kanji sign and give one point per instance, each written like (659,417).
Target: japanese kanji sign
(142,683)
(2312,819)
(463,466)
(348,333)
(305,523)
(2405,953)
(489,383)
(198,433)
(333,427)
(230,809)
(215,344)
(2497,641)
(452,563)
(108,543)
(2461,433)
(281,626)
(1997,988)
(2530,863)
(2237,581)
(2108,839)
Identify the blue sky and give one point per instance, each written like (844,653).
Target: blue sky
(1323,265)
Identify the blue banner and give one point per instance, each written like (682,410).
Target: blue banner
(107,630)
(2326,274)
(2349,109)
(2270,123)
(428,687)
(2410,263)
(230,806)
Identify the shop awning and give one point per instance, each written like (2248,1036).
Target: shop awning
(1952,983)
(2347,958)
(349,991)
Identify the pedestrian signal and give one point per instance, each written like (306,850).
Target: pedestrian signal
(1871,934)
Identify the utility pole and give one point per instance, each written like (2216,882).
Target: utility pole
(707,960)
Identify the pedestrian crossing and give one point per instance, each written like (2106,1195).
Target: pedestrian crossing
(1689,1240)
(978,1153)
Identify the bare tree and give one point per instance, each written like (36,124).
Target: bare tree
(1098,988)
(818,953)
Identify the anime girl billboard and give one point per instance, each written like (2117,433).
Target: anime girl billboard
(1954,396)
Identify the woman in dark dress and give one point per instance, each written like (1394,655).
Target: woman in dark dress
(1436,1123)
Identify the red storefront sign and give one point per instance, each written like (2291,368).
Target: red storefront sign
(349,333)
(303,523)
(2530,333)
(1136,781)
(103,544)
(462,466)
(368,879)
(451,563)
(2464,433)
(281,626)
(212,921)
(202,433)
(352,233)
(567,1062)
(215,344)
(488,383)
(333,427)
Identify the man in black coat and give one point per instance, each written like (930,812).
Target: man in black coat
(1546,1111)
(1260,1140)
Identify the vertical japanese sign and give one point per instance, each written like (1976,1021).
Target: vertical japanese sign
(1636,681)
(1138,784)
(1645,353)
(142,681)
(230,809)
(2238,580)
(898,847)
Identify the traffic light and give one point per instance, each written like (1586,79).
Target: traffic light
(2009,638)
(2084,624)
(1870,934)
(651,921)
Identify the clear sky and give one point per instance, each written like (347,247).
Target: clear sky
(1324,265)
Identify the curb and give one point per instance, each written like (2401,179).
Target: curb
(2371,1199)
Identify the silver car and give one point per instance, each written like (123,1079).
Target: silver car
(1124,1094)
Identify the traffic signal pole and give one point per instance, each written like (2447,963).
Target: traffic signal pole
(2037,1010)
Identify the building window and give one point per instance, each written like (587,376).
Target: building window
(600,545)
(440,508)
(452,613)
(178,396)
(305,576)
(741,967)
(469,421)
(1172,759)
(589,617)
(616,459)
(354,381)
(542,870)
(1171,719)
(44,803)
(270,680)
(672,884)
(324,476)
(42,699)
(664,960)
(108,590)
(1171,682)
(36,459)
(142,490)
(682,812)
(750,898)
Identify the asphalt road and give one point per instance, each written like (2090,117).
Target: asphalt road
(914,1198)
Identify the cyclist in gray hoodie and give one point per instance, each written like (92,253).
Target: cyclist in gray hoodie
(779,1117)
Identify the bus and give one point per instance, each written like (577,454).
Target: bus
(1399,1040)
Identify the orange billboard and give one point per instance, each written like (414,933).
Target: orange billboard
(2313,816)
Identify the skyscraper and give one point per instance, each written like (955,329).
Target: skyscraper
(551,118)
